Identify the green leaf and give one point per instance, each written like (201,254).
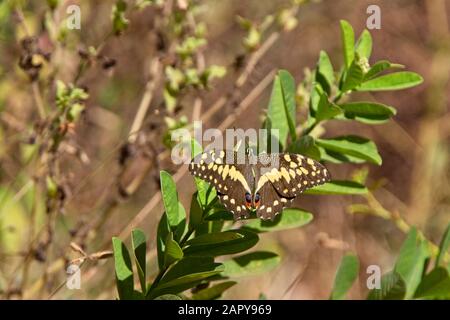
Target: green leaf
(170,99)
(281,111)
(339,187)
(435,285)
(138,242)
(325,109)
(381,66)
(250,264)
(53,4)
(253,39)
(443,246)
(75,112)
(213,292)
(189,46)
(168,297)
(364,45)
(354,146)
(61,90)
(353,77)
(172,252)
(345,276)
(392,288)
(190,265)
(265,143)
(336,157)
(314,100)
(119,21)
(196,148)
(170,198)
(324,72)
(181,227)
(162,233)
(220,215)
(211,72)
(348,42)
(78,93)
(124,271)
(221,243)
(190,280)
(175,212)
(305,146)
(214,238)
(14,218)
(290,218)
(410,262)
(210,226)
(368,112)
(185,274)
(51,186)
(195,212)
(192,77)
(206,193)
(392,81)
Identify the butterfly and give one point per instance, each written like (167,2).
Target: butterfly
(266,183)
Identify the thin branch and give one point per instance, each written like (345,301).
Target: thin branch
(38,99)
(255,57)
(146,100)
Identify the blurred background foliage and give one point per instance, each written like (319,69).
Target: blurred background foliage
(86,116)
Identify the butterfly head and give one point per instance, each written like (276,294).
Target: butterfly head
(252,202)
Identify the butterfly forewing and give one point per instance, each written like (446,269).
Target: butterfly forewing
(229,174)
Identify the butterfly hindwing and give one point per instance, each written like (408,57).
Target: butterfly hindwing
(272,203)
(233,202)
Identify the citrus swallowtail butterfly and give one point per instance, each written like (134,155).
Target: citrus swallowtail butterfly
(266,183)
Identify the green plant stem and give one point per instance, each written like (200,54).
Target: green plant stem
(338,97)
(158,278)
(310,128)
(38,99)
(186,236)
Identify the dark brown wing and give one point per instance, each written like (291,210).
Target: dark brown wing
(290,174)
(272,203)
(230,177)
(282,177)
